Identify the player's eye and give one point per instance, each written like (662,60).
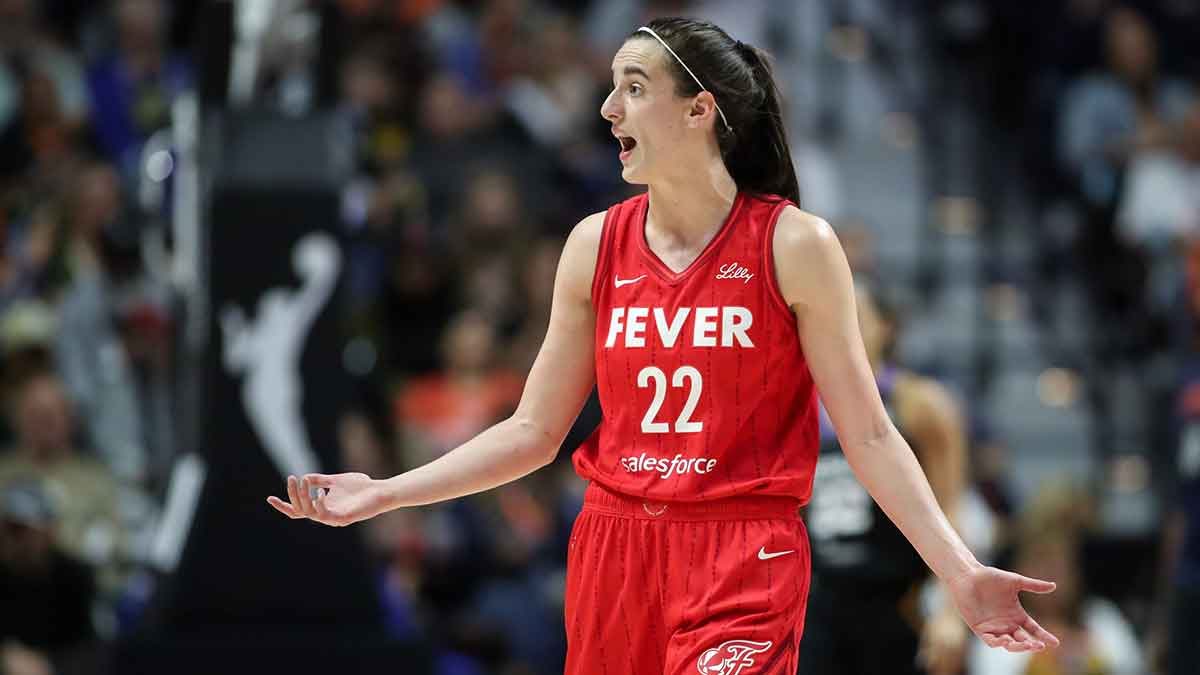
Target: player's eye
(635,89)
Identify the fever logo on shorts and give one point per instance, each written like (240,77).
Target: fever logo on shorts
(731,657)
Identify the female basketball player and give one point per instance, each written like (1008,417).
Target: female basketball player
(708,311)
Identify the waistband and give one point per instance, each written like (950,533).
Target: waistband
(599,499)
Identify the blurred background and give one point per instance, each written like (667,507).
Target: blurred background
(245,239)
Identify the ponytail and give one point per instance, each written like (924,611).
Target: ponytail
(760,160)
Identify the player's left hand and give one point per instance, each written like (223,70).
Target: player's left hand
(988,600)
(337,500)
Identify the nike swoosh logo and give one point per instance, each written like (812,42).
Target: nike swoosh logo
(763,555)
(619,282)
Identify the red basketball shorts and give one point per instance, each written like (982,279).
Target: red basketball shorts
(715,588)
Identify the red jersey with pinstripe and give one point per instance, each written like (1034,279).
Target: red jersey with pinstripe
(705,390)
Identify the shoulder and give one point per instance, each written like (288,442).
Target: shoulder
(577,266)
(797,230)
(807,254)
(587,233)
(583,243)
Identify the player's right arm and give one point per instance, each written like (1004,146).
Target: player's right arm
(558,385)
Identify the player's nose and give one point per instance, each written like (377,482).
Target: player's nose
(610,109)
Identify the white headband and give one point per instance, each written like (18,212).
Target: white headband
(689,71)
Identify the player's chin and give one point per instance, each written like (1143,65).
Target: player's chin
(631,175)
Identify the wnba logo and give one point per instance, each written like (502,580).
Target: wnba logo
(730,657)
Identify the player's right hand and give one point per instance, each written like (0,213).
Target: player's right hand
(337,500)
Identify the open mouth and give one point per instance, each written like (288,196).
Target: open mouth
(627,143)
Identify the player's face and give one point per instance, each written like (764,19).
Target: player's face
(646,115)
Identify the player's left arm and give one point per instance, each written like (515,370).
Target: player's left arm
(815,281)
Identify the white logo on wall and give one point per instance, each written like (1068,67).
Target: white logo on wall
(731,657)
(266,350)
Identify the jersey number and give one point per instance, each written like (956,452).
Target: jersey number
(683,425)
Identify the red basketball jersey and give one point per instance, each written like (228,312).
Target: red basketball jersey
(702,381)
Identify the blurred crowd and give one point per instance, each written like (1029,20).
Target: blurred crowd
(84,320)
(479,145)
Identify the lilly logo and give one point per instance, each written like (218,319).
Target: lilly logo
(731,657)
(735,271)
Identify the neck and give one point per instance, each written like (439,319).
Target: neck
(691,206)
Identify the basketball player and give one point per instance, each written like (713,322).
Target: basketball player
(866,576)
(708,312)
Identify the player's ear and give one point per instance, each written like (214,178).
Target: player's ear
(701,109)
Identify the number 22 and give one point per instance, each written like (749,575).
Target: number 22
(683,425)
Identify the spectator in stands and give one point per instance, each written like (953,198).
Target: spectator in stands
(1161,199)
(42,87)
(1160,208)
(461,136)
(132,88)
(1109,118)
(416,310)
(39,158)
(488,236)
(28,264)
(492,216)
(26,335)
(91,357)
(40,136)
(553,94)
(441,410)
(83,493)
(454,131)
(379,83)
(46,627)
(521,539)
(144,323)
(489,286)
(537,284)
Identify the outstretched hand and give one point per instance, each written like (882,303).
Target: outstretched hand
(988,600)
(337,500)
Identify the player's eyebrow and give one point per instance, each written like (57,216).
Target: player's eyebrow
(634,70)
